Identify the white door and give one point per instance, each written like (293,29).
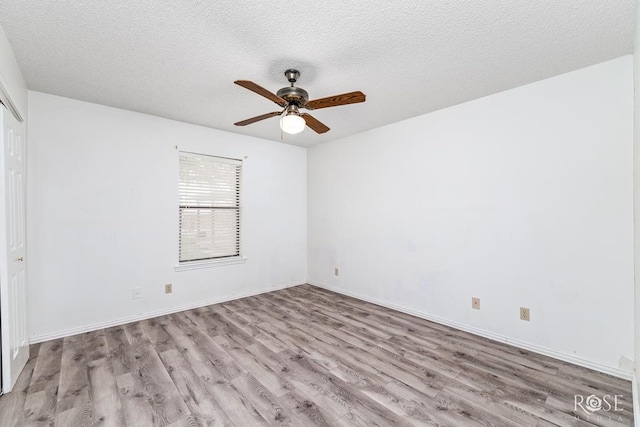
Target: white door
(13,292)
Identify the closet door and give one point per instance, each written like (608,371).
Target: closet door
(13,291)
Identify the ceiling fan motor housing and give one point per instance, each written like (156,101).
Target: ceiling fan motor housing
(294,95)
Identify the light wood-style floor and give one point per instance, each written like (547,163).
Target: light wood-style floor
(302,356)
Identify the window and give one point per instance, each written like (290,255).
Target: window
(209,198)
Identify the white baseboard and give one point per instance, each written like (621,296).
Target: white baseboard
(149,315)
(490,335)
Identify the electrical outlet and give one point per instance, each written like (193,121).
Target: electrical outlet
(137,293)
(336,271)
(168,288)
(475,303)
(524,313)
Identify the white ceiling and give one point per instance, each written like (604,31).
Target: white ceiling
(178,59)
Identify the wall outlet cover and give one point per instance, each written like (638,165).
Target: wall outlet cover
(524,314)
(475,303)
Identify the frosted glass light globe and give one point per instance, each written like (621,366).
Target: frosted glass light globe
(292,124)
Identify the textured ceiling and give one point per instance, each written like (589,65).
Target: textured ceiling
(178,59)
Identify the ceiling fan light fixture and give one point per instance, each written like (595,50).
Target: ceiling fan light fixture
(292,99)
(291,122)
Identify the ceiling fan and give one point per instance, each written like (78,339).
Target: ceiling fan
(292,99)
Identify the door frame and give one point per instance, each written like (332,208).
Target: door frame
(6,100)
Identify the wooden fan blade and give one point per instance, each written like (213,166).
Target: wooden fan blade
(333,101)
(257,118)
(261,91)
(316,125)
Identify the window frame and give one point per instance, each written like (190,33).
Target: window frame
(221,260)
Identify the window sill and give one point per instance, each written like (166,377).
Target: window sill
(196,265)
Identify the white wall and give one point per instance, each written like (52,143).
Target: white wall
(12,76)
(523,198)
(103,216)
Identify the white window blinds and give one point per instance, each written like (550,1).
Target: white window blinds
(209,198)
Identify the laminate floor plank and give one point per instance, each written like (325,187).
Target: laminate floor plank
(159,388)
(42,396)
(197,360)
(46,373)
(412,414)
(440,414)
(104,393)
(307,410)
(74,379)
(355,323)
(404,370)
(475,411)
(120,351)
(137,409)
(96,346)
(301,356)
(150,378)
(438,361)
(283,333)
(298,310)
(241,310)
(311,386)
(333,354)
(74,405)
(251,328)
(236,405)
(253,365)
(545,423)
(229,315)
(267,404)
(270,341)
(373,324)
(155,331)
(206,410)
(347,359)
(359,407)
(12,404)
(486,402)
(218,325)
(211,352)
(81,415)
